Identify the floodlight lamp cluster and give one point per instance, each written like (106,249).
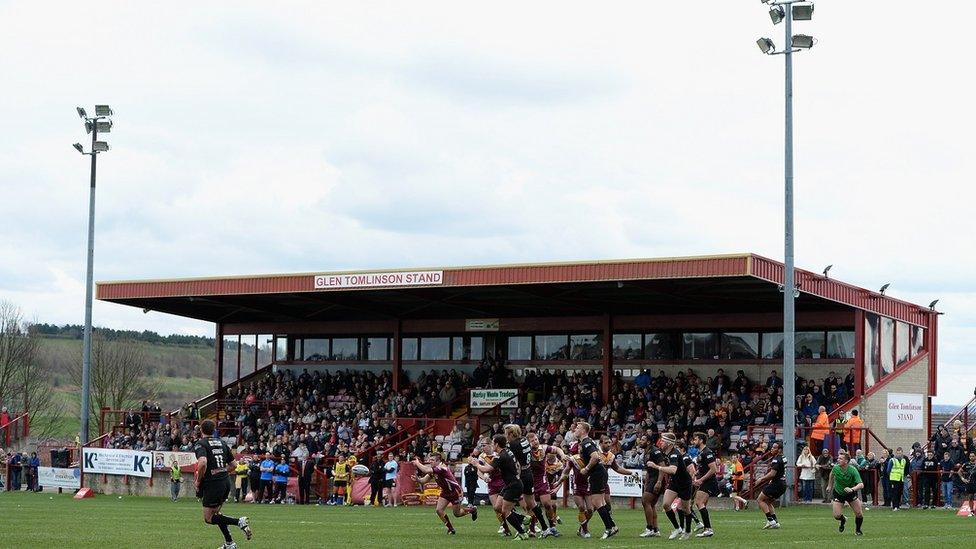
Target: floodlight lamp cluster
(800,10)
(100,123)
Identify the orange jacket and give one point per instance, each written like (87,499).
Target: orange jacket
(852,432)
(821,427)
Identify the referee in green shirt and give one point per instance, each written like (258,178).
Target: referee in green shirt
(846,482)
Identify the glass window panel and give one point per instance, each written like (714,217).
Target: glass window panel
(377,348)
(697,346)
(887,346)
(772,345)
(458,349)
(345,348)
(281,348)
(248,354)
(809,344)
(520,348)
(872,366)
(229,360)
(265,350)
(740,345)
(435,348)
(918,340)
(626,346)
(840,344)
(477,348)
(585,347)
(551,347)
(297,346)
(659,347)
(408,348)
(902,337)
(316,349)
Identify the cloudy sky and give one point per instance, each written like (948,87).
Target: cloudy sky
(252,138)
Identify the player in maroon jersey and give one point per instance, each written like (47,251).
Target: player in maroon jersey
(450,489)
(540,485)
(495,483)
(581,490)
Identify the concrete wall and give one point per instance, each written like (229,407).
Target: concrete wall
(116,485)
(874,407)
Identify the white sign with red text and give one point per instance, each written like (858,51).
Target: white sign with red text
(372,280)
(905,411)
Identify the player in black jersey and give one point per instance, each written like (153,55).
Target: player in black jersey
(680,468)
(506,464)
(596,471)
(214,462)
(653,485)
(522,452)
(776,487)
(706,481)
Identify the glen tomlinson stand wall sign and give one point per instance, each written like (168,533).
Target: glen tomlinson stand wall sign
(372,280)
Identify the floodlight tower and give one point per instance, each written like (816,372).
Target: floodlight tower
(101,122)
(786,11)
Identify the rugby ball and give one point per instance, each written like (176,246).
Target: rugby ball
(360,470)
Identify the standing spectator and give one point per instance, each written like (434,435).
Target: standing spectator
(946,469)
(807,465)
(254,478)
(821,427)
(15,466)
(883,467)
(267,485)
(914,465)
(4,421)
(377,474)
(898,469)
(281,473)
(175,479)
(927,479)
(852,432)
(940,440)
(392,467)
(471,483)
(32,466)
(869,476)
(240,480)
(824,466)
(306,469)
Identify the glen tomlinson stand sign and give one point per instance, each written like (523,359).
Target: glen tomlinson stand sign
(905,411)
(372,280)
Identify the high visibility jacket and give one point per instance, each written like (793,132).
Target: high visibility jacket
(852,433)
(898,469)
(821,427)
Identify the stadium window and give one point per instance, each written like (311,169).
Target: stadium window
(376,348)
(408,348)
(265,351)
(551,347)
(699,346)
(739,345)
(627,346)
(840,344)
(435,348)
(918,340)
(315,349)
(229,359)
(477,348)
(520,348)
(298,349)
(345,348)
(808,345)
(249,352)
(902,346)
(659,347)
(887,347)
(281,348)
(772,345)
(872,365)
(585,347)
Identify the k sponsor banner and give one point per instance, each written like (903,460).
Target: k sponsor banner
(164,460)
(489,398)
(56,477)
(905,411)
(110,461)
(372,280)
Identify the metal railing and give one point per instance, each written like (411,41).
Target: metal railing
(17,429)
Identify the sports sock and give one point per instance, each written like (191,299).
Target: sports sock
(858,521)
(539,516)
(705,520)
(688,521)
(447,522)
(225,532)
(589,515)
(551,514)
(774,517)
(605,516)
(581,516)
(672,518)
(223,519)
(515,519)
(770,517)
(694,516)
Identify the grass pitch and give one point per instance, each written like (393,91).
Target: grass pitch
(37,520)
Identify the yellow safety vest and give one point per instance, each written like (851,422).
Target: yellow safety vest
(897,469)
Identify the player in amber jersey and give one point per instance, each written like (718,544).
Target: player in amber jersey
(450,489)
(580,489)
(486,456)
(610,462)
(541,489)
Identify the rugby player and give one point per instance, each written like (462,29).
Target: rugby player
(540,488)
(554,469)
(522,451)
(580,490)
(967,474)
(450,489)
(610,462)
(505,463)
(214,462)
(705,483)
(846,481)
(495,484)
(680,469)
(596,471)
(653,486)
(776,487)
